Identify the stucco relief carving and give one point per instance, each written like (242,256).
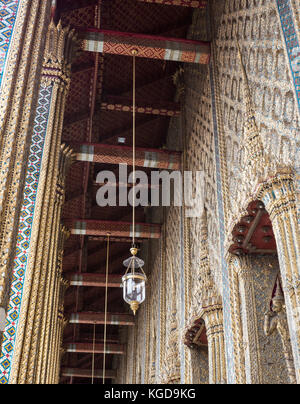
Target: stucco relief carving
(276,321)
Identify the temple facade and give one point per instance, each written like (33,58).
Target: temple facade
(216,87)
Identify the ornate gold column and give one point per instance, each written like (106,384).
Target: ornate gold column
(253,372)
(53,358)
(163,303)
(61,324)
(41,252)
(279,197)
(48,351)
(239,355)
(207,306)
(24,25)
(58,236)
(213,317)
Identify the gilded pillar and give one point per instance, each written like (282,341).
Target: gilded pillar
(213,317)
(22,37)
(50,347)
(37,250)
(58,236)
(61,325)
(253,372)
(237,327)
(207,306)
(279,197)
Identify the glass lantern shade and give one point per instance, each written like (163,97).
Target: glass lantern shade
(134,283)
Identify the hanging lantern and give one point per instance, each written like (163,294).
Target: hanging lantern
(134,281)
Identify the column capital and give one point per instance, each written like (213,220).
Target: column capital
(278,193)
(59,51)
(240,265)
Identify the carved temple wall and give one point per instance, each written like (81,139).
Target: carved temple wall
(210,135)
(264,271)
(263,31)
(211,132)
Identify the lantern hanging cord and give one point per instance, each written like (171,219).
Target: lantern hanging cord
(133,148)
(105,309)
(93,358)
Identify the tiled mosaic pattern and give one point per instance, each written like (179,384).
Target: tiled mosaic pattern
(8,12)
(293,49)
(24,234)
(292,41)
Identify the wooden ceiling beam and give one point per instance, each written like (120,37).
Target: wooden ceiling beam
(94,280)
(146,46)
(182,3)
(127,240)
(99,318)
(87,374)
(111,154)
(123,104)
(110,349)
(115,229)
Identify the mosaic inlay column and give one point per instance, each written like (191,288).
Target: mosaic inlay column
(22,337)
(23,29)
(289,15)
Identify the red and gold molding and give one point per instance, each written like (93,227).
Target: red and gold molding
(119,229)
(254,233)
(94,280)
(87,374)
(147,158)
(196,336)
(182,3)
(122,104)
(99,318)
(146,46)
(113,349)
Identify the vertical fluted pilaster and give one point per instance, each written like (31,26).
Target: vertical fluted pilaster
(249,321)
(31,347)
(239,355)
(246,343)
(61,324)
(52,347)
(213,317)
(58,236)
